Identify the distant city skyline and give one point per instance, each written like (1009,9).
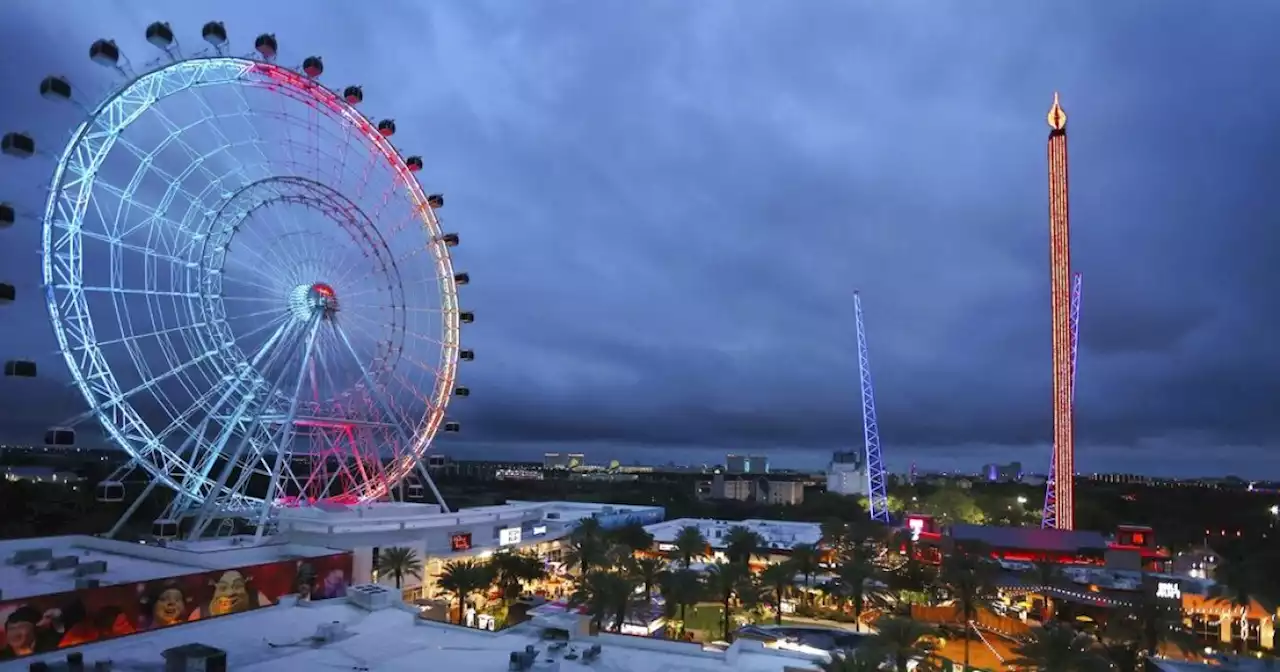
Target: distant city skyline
(664,228)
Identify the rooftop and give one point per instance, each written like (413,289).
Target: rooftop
(388,640)
(1030,538)
(125,562)
(780,534)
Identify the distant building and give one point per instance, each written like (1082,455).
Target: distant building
(847,473)
(563,460)
(1002,473)
(746,464)
(761,490)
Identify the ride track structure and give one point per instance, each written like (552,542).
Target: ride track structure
(1050,491)
(274,272)
(1063,475)
(877,493)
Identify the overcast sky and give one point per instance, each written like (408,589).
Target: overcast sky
(666,206)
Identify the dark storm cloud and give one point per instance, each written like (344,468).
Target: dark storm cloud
(665,208)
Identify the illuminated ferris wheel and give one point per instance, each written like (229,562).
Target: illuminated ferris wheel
(251,290)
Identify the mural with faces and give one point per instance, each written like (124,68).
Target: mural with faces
(61,620)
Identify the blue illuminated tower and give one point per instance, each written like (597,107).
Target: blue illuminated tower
(877,497)
(1050,492)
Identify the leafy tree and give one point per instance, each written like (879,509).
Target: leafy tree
(853,574)
(1058,648)
(863,659)
(742,544)
(586,548)
(462,578)
(647,572)
(398,562)
(1147,625)
(952,505)
(690,545)
(837,536)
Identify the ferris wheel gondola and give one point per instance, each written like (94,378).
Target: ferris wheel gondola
(244,275)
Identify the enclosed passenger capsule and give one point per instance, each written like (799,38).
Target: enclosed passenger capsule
(313,66)
(55,88)
(467,355)
(415,489)
(354,95)
(19,145)
(110,492)
(435,200)
(461,391)
(105,52)
(160,35)
(266,45)
(214,33)
(413,163)
(452,426)
(450,239)
(387,127)
(8,215)
(60,437)
(8,293)
(466,317)
(164,528)
(20,368)
(461,279)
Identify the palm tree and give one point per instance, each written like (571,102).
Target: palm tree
(681,588)
(398,562)
(606,595)
(1058,648)
(462,578)
(724,582)
(806,560)
(647,571)
(853,573)
(779,579)
(511,570)
(633,536)
(902,640)
(742,544)
(584,552)
(970,578)
(690,545)
(1241,581)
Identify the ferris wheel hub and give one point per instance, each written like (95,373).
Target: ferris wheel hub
(307,300)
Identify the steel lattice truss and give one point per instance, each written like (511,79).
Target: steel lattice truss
(1049,520)
(877,494)
(250,288)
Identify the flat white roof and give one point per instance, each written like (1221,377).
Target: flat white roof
(578,510)
(278,638)
(129,562)
(781,534)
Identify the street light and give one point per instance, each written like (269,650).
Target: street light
(1023,500)
(1275,509)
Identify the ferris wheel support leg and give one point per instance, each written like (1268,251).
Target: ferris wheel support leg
(288,430)
(391,415)
(206,514)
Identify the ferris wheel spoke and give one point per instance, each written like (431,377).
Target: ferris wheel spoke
(370,386)
(248,283)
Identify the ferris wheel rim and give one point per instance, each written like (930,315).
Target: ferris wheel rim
(117,415)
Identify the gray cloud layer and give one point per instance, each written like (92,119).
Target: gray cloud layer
(666,206)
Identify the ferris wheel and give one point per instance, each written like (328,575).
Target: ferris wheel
(249,287)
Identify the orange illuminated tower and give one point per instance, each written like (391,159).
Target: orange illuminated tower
(1062,480)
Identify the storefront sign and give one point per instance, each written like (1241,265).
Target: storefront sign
(916,525)
(460,541)
(539,530)
(1168,590)
(509,536)
(666,548)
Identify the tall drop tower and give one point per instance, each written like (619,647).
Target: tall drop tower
(1063,476)
(877,493)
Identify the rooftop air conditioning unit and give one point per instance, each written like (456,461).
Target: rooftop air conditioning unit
(371,597)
